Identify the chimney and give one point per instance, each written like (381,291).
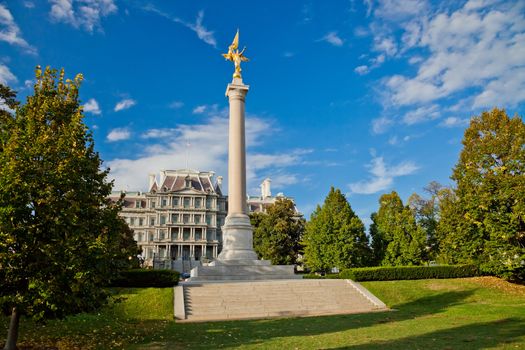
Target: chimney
(162,177)
(219,182)
(151,181)
(265,188)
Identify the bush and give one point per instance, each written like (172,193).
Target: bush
(141,278)
(313,276)
(409,272)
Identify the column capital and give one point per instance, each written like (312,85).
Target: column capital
(236,90)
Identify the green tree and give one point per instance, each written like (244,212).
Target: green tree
(487,224)
(378,243)
(398,234)
(426,212)
(335,236)
(277,233)
(61,239)
(8,104)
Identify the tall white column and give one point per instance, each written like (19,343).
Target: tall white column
(237,231)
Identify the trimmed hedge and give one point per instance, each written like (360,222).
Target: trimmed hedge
(313,276)
(141,278)
(385,273)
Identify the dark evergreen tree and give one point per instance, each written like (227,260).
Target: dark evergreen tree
(335,236)
(61,240)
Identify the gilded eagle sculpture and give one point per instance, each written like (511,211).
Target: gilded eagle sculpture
(236,56)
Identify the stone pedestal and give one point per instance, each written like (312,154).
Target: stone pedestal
(238,260)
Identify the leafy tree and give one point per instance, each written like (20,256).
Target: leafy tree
(487,224)
(277,232)
(61,240)
(335,236)
(426,212)
(378,243)
(397,233)
(8,103)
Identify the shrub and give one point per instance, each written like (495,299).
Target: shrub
(313,276)
(141,278)
(409,272)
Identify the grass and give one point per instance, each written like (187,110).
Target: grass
(471,313)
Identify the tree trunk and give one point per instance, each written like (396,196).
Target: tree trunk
(12,333)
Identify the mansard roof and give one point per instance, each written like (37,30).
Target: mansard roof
(176,180)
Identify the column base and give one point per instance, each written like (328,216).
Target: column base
(237,239)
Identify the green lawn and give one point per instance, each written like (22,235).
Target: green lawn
(472,313)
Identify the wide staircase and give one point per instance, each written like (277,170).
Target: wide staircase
(279,298)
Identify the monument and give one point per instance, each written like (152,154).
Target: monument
(238,260)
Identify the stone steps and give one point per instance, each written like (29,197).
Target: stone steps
(278,298)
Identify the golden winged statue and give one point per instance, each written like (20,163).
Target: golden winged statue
(235,56)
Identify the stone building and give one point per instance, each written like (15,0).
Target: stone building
(261,203)
(178,219)
(177,223)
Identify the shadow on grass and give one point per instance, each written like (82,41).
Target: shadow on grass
(474,336)
(226,334)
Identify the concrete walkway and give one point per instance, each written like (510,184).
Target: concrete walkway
(198,302)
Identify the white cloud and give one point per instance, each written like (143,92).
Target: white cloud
(199,109)
(91,106)
(10,32)
(333,38)
(124,104)
(118,134)
(29,4)
(477,48)
(208,150)
(381,125)
(6,76)
(386,45)
(452,122)
(382,176)
(361,70)
(176,104)
(85,14)
(398,10)
(202,32)
(421,115)
(158,133)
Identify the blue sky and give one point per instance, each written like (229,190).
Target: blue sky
(367,96)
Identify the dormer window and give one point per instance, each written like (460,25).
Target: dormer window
(187,182)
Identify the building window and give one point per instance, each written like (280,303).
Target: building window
(208,203)
(208,220)
(163,202)
(162,235)
(198,234)
(175,201)
(197,219)
(132,221)
(174,218)
(162,220)
(187,202)
(186,234)
(152,221)
(198,202)
(138,204)
(186,218)
(152,204)
(141,221)
(150,237)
